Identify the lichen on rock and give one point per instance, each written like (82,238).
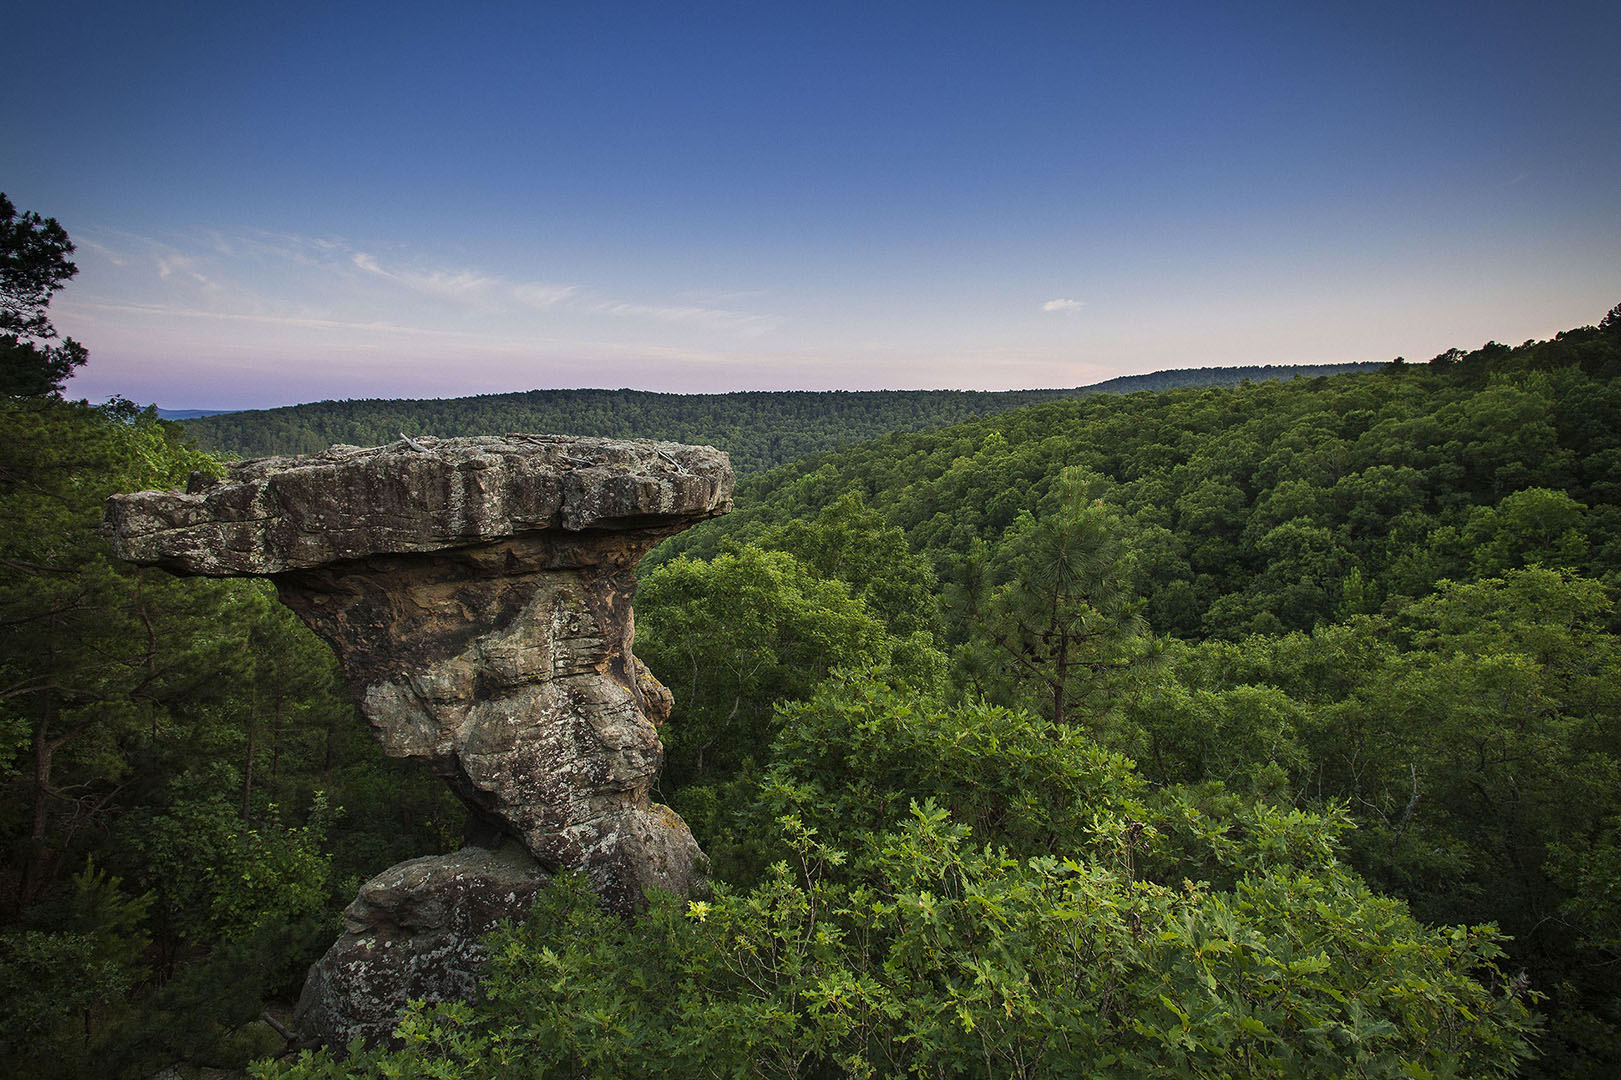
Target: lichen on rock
(412,934)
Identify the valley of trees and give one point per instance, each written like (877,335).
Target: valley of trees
(1262,730)
(758,429)
(1386,598)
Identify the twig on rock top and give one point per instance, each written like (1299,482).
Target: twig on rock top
(680,468)
(413,444)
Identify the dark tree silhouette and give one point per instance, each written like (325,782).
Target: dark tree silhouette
(34,263)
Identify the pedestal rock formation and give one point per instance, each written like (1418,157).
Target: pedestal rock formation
(478,594)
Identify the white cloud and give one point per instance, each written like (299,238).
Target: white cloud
(541,295)
(491,292)
(172,263)
(264,289)
(165,312)
(446,284)
(1062,304)
(105,252)
(713,297)
(719,318)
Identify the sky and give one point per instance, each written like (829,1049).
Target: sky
(293,202)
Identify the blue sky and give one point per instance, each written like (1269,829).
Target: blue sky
(301,201)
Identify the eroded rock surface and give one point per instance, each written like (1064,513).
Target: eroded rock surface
(275,514)
(413,934)
(478,594)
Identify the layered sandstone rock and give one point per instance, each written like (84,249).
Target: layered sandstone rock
(413,935)
(478,594)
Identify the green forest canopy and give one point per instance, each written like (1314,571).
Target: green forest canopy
(1336,790)
(1389,593)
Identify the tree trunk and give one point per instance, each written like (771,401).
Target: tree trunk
(36,868)
(247,769)
(326,757)
(275,749)
(37,865)
(1059,673)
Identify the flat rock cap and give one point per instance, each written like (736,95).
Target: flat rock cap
(271,515)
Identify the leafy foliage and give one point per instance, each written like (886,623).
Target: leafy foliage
(179,734)
(1391,594)
(919,951)
(735,635)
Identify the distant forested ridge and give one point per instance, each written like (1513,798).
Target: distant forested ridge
(759,429)
(189,414)
(1191,378)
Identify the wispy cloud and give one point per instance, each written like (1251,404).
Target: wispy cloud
(117,258)
(449,284)
(538,294)
(173,263)
(1062,304)
(491,291)
(329,292)
(719,318)
(716,297)
(166,312)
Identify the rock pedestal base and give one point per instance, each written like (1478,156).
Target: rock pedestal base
(413,934)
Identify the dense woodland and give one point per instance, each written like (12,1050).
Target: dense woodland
(758,429)
(1262,730)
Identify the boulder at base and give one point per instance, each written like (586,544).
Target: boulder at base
(413,934)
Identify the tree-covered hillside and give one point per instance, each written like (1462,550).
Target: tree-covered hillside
(758,429)
(1390,595)
(1272,506)
(1267,730)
